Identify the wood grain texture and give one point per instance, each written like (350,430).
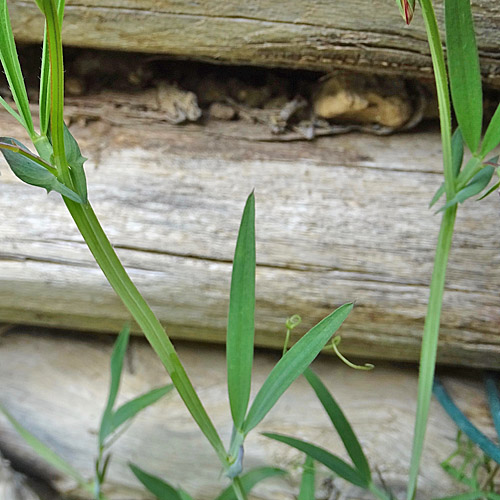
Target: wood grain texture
(55,384)
(319,35)
(340,219)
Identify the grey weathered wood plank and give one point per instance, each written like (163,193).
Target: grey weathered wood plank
(56,384)
(340,219)
(319,35)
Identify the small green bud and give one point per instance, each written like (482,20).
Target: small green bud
(407,8)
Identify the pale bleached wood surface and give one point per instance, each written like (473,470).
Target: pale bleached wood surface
(340,219)
(56,384)
(320,35)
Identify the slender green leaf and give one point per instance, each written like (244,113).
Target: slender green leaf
(463,423)
(132,408)
(334,463)
(12,69)
(341,424)
(464,71)
(117,357)
(75,161)
(12,111)
(293,364)
(307,487)
(158,487)
(437,195)
(457,151)
(491,190)
(32,172)
(44,451)
(184,495)
(475,186)
(458,475)
(250,479)
(492,136)
(44,94)
(240,325)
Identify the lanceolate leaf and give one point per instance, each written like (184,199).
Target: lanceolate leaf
(475,186)
(12,69)
(33,173)
(240,326)
(158,487)
(464,71)
(250,479)
(457,151)
(334,463)
(132,408)
(492,135)
(307,487)
(44,451)
(75,161)
(117,356)
(293,364)
(341,424)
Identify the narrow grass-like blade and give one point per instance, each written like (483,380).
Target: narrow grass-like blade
(117,356)
(437,195)
(464,71)
(44,94)
(250,479)
(475,186)
(184,494)
(12,68)
(11,110)
(491,383)
(461,421)
(334,463)
(307,486)
(158,487)
(132,408)
(293,364)
(44,451)
(458,475)
(341,424)
(240,325)
(492,135)
(457,151)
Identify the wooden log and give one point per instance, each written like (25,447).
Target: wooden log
(341,219)
(56,384)
(322,35)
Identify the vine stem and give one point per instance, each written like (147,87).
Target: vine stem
(108,261)
(430,337)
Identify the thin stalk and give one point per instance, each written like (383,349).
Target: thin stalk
(429,343)
(108,261)
(432,320)
(379,493)
(238,489)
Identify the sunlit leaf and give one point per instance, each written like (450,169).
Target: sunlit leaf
(464,71)
(293,364)
(240,326)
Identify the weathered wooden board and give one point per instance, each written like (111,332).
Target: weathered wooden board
(320,35)
(341,219)
(56,386)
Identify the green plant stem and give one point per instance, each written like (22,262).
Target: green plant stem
(432,320)
(238,489)
(379,493)
(108,261)
(430,342)
(443,94)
